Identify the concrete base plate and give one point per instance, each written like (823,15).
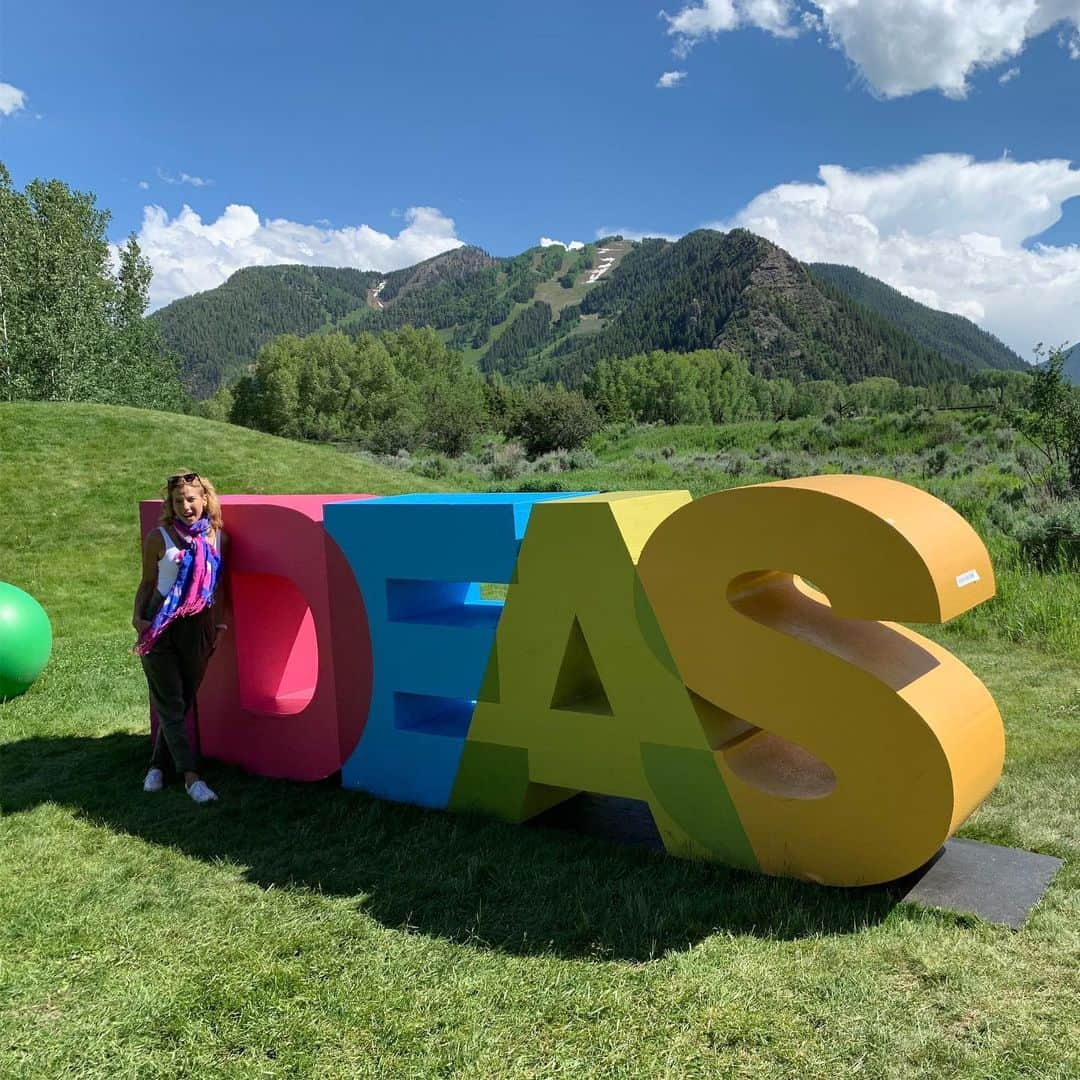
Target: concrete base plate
(999,884)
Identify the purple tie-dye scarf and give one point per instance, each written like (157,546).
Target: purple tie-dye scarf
(195,582)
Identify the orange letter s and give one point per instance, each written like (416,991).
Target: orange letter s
(852,748)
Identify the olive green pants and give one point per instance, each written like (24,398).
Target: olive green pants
(174,668)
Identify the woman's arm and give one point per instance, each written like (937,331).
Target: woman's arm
(222,605)
(153,549)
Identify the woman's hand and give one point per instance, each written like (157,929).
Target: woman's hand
(220,630)
(139,624)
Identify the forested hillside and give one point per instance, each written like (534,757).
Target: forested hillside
(217,333)
(956,338)
(738,292)
(473,294)
(550,314)
(465,293)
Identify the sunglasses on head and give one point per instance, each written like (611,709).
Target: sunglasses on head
(183,478)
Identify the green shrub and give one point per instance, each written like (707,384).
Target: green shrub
(542,483)
(553,418)
(1051,423)
(583,459)
(434,467)
(935,460)
(1051,540)
(507,461)
(733,462)
(1004,438)
(555,461)
(785,465)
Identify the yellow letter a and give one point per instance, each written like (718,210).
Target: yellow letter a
(582,693)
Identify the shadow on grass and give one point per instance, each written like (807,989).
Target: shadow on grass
(517,889)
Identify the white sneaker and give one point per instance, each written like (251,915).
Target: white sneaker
(201,793)
(155,780)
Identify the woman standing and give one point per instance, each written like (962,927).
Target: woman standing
(179,616)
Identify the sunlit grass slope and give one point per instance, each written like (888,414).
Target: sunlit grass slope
(72,477)
(299,930)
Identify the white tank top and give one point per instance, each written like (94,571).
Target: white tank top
(168,566)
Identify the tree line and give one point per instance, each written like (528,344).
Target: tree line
(406,390)
(715,386)
(395,390)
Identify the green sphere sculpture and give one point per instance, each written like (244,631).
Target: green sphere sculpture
(25,640)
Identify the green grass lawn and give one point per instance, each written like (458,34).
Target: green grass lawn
(299,930)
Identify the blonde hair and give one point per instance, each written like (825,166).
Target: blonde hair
(213,506)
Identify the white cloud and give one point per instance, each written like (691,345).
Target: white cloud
(189,255)
(12,99)
(700,20)
(899,46)
(902,48)
(711,17)
(1008,76)
(945,230)
(574,245)
(144,184)
(184,178)
(670,79)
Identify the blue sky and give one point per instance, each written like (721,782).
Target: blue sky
(326,126)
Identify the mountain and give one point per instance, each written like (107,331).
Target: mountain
(739,292)
(956,338)
(217,334)
(1071,367)
(1072,364)
(552,314)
